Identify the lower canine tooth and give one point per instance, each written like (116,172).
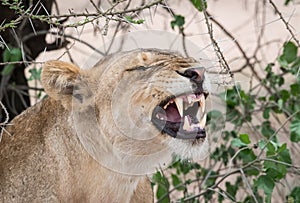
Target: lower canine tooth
(186,124)
(202,102)
(203,121)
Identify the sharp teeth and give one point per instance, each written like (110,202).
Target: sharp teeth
(186,107)
(202,103)
(179,104)
(203,122)
(186,124)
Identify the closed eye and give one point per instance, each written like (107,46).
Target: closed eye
(140,68)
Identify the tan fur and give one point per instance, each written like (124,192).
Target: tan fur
(92,140)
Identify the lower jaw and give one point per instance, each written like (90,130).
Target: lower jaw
(193,135)
(189,149)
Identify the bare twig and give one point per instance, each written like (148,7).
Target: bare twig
(20,62)
(43,32)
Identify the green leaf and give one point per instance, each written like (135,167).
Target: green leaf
(236,142)
(162,186)
(162,192)
(277,154)
(267,184)
(215,120)
(295,89)
(231,189)
(261,144)
(6,55)
(295,67)
(176,182)
(178,21)
(252,171)
(16,54)
(289,52)
(295,130)
(8,69)
(247,155)
(234,116)
(198,4)
(266,113)
(35,74)
(283,63)
(12,55)
(156,178)
(231,97)
(284,154)
(284,94)
(266,129)
(287,2)
(295,195)
(280,104)
(131,20)
(211,180)
(271,148)
(245,138)
(275,170)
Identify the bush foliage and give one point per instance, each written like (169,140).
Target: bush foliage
(256,162)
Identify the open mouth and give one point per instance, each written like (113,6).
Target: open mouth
(182,117)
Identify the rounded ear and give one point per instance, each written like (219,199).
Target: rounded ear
(63,81)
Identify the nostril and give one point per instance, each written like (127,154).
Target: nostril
(191,73)
(194,74)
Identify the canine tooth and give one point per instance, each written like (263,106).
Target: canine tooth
(186,124)
(179,104)
(203,121)
(186,107)
(202,103)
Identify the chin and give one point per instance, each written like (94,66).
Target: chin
(194,150)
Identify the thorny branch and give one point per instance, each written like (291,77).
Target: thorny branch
(55,20)
(219,53)
(285,22)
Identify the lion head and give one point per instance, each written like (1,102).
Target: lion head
(133,110)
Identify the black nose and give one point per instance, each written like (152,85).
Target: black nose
(194,74)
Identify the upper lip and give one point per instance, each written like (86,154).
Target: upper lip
(182,116)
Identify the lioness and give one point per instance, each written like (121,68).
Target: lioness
(101,130)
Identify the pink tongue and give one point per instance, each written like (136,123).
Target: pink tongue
(173,114)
